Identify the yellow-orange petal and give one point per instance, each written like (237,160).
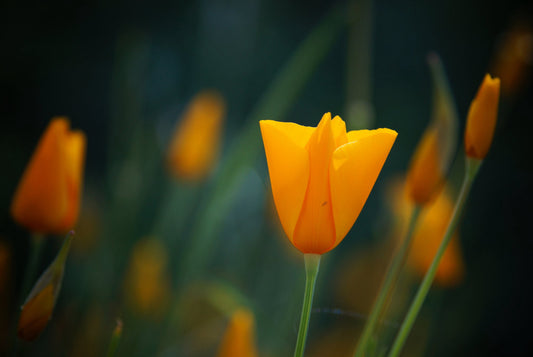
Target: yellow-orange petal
(288,166)
(481,119)
(74,146)
(354,170)
(41,202)
(315,231)
(35,314)
(239,339)
(338,126)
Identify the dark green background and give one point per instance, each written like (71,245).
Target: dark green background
(60,58)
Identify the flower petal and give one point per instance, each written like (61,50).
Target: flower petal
(338,126)
(75,143)
(288,165)
(41,200)
(315,231)
(353,172)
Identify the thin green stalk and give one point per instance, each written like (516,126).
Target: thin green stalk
(472,167)
(312,265)
(115,339)
(391,277)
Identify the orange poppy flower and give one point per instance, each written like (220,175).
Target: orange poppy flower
(47,199)
(481,119)
(321,177)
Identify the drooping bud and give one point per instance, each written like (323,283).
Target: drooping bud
(39,305)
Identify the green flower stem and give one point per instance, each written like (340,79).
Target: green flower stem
(388,285)
(472,167)
(115,339)
(312,265)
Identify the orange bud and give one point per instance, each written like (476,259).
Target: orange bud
(36,313)
(321,177)
(196,143)
(39,305)
(47,199)
(434,152)
(239,339)
(481,119)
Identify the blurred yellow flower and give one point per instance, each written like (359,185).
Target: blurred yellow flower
(239,338)
(481,120)
(148,284)
(196,142)
(430,228)
(47,199)
(321,177)
(434,153)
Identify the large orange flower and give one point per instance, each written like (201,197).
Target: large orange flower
(321,177)
(47,199)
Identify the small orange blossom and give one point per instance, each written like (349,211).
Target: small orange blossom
(481,119)
(47,199)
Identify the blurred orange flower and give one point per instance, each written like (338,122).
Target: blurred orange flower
(47,199)
(196,142)
(239,338)
(481,120)
(434,152)
(321,177)
(430,228)
(148,285)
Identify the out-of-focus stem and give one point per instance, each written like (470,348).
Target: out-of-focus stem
(388,285)
(472,167)
(115,339)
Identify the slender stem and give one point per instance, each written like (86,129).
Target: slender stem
(115,339)
(388,285)
(312,264)
(472,167)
